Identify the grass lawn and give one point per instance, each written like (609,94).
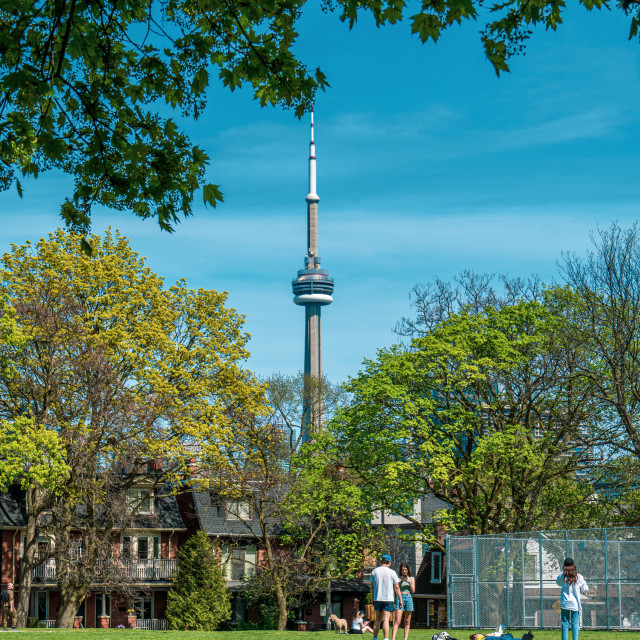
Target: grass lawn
(131,634)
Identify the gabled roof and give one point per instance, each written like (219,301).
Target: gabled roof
(431,504)
(212,516)
(12,508)
(166,514)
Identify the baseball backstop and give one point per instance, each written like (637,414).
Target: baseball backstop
(510,579)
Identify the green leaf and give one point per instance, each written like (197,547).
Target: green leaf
(211,194)
(200,81)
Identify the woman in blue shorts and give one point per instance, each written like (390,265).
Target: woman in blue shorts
(407,587)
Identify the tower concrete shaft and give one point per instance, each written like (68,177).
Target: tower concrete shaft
(312,289)
(312,342)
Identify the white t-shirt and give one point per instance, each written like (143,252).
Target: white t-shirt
(383,579)
(355,625)
(570,596)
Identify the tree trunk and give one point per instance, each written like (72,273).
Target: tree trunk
(26,567)
(329,608)
(70,600)
(283,612)
(28,562)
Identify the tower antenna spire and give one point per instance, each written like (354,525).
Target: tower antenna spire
(313,196)
(312,289)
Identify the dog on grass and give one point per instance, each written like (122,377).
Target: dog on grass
(339,623)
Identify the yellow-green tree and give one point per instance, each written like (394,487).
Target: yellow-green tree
(30,454)
(125,370)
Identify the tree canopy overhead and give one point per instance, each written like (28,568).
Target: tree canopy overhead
(83,87)
(88,88)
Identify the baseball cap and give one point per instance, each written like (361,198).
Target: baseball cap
(569,562)
(386,557)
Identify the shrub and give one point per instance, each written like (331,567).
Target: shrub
(200,599)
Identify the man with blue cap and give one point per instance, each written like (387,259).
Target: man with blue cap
(385,582)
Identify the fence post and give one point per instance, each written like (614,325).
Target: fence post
(476,578)
(541,584)
(447,553)
(506,558)
(606,576)
(523,552)
(619,588)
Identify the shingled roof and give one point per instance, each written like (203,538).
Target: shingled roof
(12,508)
(212,517)
(166,514)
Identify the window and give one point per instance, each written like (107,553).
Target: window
(39,605)
(145,547)
(237,564)
(75,549)
(436,566)
(240,562)
(127,547)
(45,546)
(238,511)
(141,500)
(143,607)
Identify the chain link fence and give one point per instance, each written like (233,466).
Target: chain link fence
(510,579)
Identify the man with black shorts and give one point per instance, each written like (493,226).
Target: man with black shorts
(385,582)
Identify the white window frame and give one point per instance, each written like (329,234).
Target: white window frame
(137,496)
(154,547)
(239,511)
(436,577)
(249,557)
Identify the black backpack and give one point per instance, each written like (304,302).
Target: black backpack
(528,636)
(4,595)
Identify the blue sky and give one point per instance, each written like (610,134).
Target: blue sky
(428,164)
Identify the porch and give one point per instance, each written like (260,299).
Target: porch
(155,569)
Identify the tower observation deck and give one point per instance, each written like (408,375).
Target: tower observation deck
(312,289)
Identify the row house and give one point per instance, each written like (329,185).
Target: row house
(232,526)
(146,554)
(144,558)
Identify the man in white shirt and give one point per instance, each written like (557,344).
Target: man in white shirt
(385,582)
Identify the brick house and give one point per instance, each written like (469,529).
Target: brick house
(146,554)
(229,524)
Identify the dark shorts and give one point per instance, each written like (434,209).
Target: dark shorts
(355,630)
(382,605)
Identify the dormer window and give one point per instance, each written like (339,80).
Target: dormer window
(238,511)
(141,500)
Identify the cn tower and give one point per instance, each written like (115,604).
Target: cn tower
(312,290)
